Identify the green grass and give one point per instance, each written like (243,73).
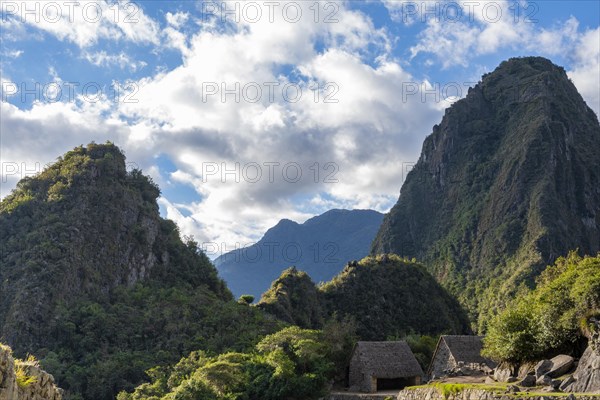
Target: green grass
(448,390)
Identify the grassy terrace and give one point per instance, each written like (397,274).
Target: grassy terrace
(451,389)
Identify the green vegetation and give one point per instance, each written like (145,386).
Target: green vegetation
(385,296)
(290,364)
(23,380)
(246,299)
(293,298)
(450,390)
(548,319)
(389,296)
(423,347)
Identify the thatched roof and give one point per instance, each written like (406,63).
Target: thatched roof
(387,359)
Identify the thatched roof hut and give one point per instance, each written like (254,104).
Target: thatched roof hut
(383,365)
(459,351)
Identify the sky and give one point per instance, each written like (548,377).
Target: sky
(247,112)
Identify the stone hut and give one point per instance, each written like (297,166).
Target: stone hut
(383,365)
(459,354)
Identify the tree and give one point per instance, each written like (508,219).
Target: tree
(246,299)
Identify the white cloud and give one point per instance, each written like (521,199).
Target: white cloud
(178,19)
(12,53)
(490,31)
(586,70)
(363,141)
(488,27)
(39,135)
(121,60)
(84,22)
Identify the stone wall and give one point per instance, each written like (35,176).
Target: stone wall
(443,361)
(356,375)
(473,394)
(358,396)
(40,387)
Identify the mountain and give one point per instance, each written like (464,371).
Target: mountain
(295,299)
(320,246)
(386,296)
(506,183)
(98,286)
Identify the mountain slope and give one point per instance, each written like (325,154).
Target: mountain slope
(386,296)
(294,298)
(98,286)
(506,183)
(320,246)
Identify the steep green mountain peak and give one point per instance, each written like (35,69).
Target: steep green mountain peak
(508,181)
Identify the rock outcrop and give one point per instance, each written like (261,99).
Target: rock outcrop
(25,380)
(586,378)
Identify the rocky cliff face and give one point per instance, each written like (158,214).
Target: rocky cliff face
(507,182)
(25,380)
(586,378)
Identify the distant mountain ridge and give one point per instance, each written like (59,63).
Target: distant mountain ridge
(506,183)
(320,246)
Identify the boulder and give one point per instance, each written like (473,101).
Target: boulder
(560,365)
(586,378)
(489,380)
(525,369)
(528,381)
(513,389)
(542,367)
(565,384)
(544,380)
(503,372)
(556,383)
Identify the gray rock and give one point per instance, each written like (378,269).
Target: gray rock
(542,367)
(528,381)
(587,375)
(525,369)
(560,365)
(544,380)
(565,384)
(556,383)
(513,389)
(503,372)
